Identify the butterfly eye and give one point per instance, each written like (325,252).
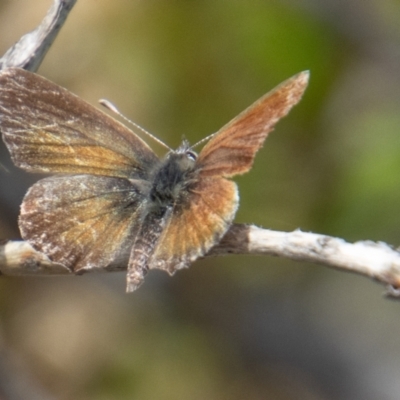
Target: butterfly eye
(191,155)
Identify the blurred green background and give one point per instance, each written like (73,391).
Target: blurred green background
(235,327)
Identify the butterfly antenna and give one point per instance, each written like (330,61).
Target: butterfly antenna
(111,107)
(206,139)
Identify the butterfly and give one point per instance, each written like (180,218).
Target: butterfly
(113,198)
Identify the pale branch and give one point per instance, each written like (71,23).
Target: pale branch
(30,50)
(375,260)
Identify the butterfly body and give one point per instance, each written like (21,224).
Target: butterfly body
(113,198)
(174,176)
(168,190)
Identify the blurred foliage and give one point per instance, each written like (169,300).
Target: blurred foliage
(236,327)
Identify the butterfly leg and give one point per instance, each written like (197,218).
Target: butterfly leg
(144,246)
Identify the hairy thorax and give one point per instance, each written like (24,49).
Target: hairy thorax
(173,180)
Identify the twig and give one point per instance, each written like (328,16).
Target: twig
(30,50)
(374,260)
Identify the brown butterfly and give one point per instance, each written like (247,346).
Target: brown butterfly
(113,196)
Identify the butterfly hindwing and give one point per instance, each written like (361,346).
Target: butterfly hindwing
(82,221)
(196,224)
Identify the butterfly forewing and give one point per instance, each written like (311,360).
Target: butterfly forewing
(82,221)
(48,129)
(232,149)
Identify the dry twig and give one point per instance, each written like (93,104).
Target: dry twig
(29,51)
(374,260)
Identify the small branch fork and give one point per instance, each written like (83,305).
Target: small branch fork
(375,260)
(29,51)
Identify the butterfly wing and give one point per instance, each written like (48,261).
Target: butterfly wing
(200,219)
(197,222)
(82,221)
(232,149)
(48,129)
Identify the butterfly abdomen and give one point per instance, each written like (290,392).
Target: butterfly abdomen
(144,245)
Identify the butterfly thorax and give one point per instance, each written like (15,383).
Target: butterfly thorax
(173,178)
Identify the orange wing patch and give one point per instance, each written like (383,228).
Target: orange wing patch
(194,229)
(233,148)
(72,159)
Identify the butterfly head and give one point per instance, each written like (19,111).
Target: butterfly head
(183,156)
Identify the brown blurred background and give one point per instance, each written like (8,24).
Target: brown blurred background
(236,327)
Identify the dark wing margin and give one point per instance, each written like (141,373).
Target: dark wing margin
(82,221)
(48,129)
(232,149)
